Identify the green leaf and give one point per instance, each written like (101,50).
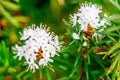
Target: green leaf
(72,29)
(97,60)
(86,68)
(80,46)
(115,54)
(76,64)
(110,30)
(92,75)
(63,78)
(114,63)
(68,48)
(114,47)
(21,74)
(9,17)
(114,17)
(64,64)
(48,74)
(88,56)
(1,77)
(3,68)
(10,5)
(115,4)
(111,38)
(5,51)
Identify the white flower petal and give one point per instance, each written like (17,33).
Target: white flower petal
(75,36)
(40,44)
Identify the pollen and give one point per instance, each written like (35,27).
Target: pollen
(39,53)
(89,30)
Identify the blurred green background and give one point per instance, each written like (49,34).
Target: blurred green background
(18,14)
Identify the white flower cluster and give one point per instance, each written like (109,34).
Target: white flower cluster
(89,19)
(39,47)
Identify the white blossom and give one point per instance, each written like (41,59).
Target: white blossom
(31,65)
(90,20)
(96,36)
(74,19)
(75,36)
(44,61)
(85,43)
(39,46)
